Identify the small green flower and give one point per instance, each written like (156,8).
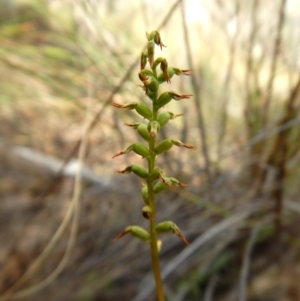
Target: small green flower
(144,110)
(145,194)
(171,71)
(150,51)
(147,212)
(168,226)
(150,83)
(141,128)
(166,97)
(157,62)
(136,231)
(166,144)
(164,117)
(141,108)
(156,174)
(159,187)
(137,147)
(164,69)
(137,169)
(154,35)
(163,146)
(153,127)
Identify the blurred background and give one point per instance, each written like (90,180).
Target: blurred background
(61,65)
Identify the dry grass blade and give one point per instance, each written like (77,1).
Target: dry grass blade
(275,55)
(71,214)
(246,264)
(197,100)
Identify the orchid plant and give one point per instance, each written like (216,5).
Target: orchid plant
(154,178)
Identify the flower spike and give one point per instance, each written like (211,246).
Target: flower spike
(153,178)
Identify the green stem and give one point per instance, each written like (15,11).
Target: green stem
(153,235)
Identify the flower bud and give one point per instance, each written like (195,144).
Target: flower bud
(168,143)
(157,62)
(163,77)
(159,187)
(152,84)
(143,110)
(158,41)
(156,173)
(143,77)
(171,71)
(137,169)
(137,147)
(171,182)
(164,226)
(140,170)
(170,226)
(164,69)
(130,105)
(145,195)
(150,51)
(163,99)
(174,182)
(166,97)
(163,118)
(142,129)
(163,146)
(166,181)
(150,36)
(154,35)
(153,127)
(141,149)
(147,212)
(146,72)
(136,231)
(152,95)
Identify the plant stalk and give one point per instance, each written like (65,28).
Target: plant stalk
(153,235)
